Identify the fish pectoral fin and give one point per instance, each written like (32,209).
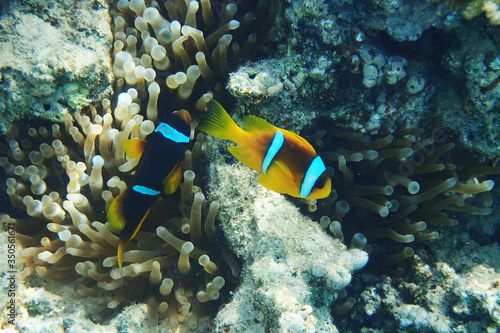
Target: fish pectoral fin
(171,183)
(134,147)
(237,152)
(278,178)
(283,168)
(115,216)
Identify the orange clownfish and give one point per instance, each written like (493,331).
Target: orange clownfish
(287,162)
(159,170)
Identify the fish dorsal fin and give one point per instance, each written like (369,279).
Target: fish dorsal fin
(254,124)
(303,142)
(115,217)
(134,147)
(171,183)
(278,178)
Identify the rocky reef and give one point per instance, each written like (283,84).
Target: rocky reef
(54,55)
(293,270)
(384,64)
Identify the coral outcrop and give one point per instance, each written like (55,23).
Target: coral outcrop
(66,176)
(457,290)
(54,58)
(293,270)
(368,55)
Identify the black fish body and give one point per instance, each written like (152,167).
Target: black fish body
(158,170)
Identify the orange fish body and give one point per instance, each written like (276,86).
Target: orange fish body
(287,163)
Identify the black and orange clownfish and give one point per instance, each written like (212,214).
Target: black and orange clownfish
(287,162)
(159,170)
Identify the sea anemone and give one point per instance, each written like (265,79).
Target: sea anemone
(184,50)
(66,188)
(398,188)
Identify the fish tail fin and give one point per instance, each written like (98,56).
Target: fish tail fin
(219,124)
